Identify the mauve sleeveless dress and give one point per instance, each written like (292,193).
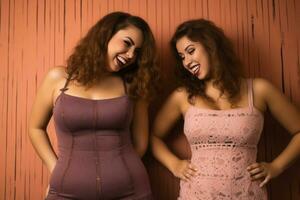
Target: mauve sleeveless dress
(223,144)
(96,159)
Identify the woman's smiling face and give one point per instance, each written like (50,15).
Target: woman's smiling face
(194,57)
(123,48)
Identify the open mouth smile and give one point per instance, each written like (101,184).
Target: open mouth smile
(195,69)
(121,61)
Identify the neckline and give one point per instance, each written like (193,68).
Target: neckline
(105,99)
(250,106)
(87,99)
(207,110)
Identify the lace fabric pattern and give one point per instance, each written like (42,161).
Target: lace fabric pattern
(223,144)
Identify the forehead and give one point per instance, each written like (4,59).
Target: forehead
(183,42)
(132,32)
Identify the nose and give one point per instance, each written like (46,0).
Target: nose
(186,62)
(130,53)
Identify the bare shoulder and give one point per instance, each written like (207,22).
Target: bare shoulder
(262,84)
(264,93)
(179,94)
(263,88)
(54,80)
(279,104)
(56,73)
(56,77)
(179,99)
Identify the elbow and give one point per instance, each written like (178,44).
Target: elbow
(154,139)
(156,143)
(33,132)
(141,149)
(30,132)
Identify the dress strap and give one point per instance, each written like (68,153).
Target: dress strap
(65,86)
(250,93)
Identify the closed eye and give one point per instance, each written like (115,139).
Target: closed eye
(127,43)
(191,51)
(181,56)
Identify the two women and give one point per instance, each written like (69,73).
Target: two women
(99,104)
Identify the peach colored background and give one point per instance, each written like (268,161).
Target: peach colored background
(36,35)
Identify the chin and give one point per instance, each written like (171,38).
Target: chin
(202,77)
(113,68)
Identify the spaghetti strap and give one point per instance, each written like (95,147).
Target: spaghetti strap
(65,86)
(250,93)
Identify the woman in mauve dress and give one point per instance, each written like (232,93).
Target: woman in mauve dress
(99,105)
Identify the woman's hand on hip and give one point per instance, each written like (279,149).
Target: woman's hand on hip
(184,170)
(263,171)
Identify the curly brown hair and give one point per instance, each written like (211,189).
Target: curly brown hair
(227,68)
(87,62)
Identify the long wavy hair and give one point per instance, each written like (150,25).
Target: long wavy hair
(87,63)
(225,65)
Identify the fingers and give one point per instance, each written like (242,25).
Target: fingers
(187,171)
(259,171)
(253,166)
(267,179)
(192,167)
(187,176)
(183,177)
(258,176)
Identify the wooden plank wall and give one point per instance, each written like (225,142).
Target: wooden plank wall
(36,35)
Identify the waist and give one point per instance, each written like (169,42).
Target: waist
(223,162)
(93,142)
(222,145)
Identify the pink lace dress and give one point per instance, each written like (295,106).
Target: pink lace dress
(223,144)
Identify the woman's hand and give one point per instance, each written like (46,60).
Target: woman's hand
(184,170)
(263,170)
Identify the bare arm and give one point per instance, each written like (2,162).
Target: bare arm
(165,119)
(40,116)
(140,127)
(289,116)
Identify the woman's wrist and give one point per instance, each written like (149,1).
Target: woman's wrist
(277,166)
(173,163)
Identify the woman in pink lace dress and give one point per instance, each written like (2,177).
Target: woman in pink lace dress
(223,119)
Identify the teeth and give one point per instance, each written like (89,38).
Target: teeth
(122,60)
(195,68)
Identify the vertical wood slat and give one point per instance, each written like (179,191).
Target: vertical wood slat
(36,35)
(4,21)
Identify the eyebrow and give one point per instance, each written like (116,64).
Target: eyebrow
(188,47)
(185,49)
(130,40)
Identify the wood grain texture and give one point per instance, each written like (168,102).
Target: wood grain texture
(36,35)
